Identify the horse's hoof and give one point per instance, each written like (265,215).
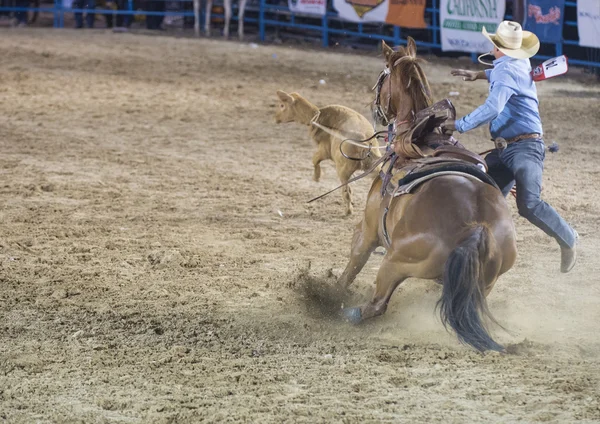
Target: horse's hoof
(352,315)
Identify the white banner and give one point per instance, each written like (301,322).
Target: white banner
(308,7)
(362,10)
(588,22)
(462,21)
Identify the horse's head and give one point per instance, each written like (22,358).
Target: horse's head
(402,88)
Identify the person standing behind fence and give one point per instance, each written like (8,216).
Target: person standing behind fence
(89,18)
(122,21)
(155,21)
(21,16)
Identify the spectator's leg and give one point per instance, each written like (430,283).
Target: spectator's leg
(90,17)
(121,5)
(21,16)
(109,17)
(78,4)
(151,19)
(161,7)
(241,11)
(4,3)
(227,6)
(207,17)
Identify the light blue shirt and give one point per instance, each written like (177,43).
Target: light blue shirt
(512,107)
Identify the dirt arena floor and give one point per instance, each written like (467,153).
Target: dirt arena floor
(156,243)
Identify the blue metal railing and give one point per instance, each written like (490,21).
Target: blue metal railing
(270,14)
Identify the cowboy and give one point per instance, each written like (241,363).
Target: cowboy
(512,111)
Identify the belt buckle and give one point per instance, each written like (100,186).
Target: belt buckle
(500,143)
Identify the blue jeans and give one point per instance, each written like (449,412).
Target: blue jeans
(21,16)
(522,163)
(89,18)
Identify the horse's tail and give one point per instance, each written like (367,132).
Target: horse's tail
(463,303)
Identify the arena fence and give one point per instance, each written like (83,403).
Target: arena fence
(269,16)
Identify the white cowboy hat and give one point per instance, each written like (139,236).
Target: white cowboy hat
(511,40)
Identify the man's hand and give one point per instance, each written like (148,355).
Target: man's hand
(468,75)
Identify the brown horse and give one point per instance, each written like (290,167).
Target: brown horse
(453,229)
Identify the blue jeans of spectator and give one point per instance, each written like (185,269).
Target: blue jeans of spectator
(121,20)
(89,17)
(523,163)
(21,16)
(155,21)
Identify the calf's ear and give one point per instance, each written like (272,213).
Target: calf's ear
(285,97)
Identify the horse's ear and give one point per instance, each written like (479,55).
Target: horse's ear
(411,46)
(285,97)
(387,51)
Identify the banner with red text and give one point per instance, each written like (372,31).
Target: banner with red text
(545,19)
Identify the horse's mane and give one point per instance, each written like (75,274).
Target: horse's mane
(413,79)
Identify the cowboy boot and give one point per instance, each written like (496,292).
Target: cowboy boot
(568,256)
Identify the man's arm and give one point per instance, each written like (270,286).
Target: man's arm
(499,96)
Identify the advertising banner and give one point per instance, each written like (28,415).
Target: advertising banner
(406,13)
(588,22)
(362,10)
(545,19)
(461,22)
(308,7)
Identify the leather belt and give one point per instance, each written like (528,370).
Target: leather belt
(502,143)
(523,137)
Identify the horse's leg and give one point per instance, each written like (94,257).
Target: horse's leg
(207,17)
(409,256)
(391,274)
(227,7)
(242,8)
(364,242)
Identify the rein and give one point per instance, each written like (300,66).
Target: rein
(356,143)
(358,177)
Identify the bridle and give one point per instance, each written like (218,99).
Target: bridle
(380,115)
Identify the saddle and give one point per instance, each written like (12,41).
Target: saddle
(426,151)
(394,178)
(426,133)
